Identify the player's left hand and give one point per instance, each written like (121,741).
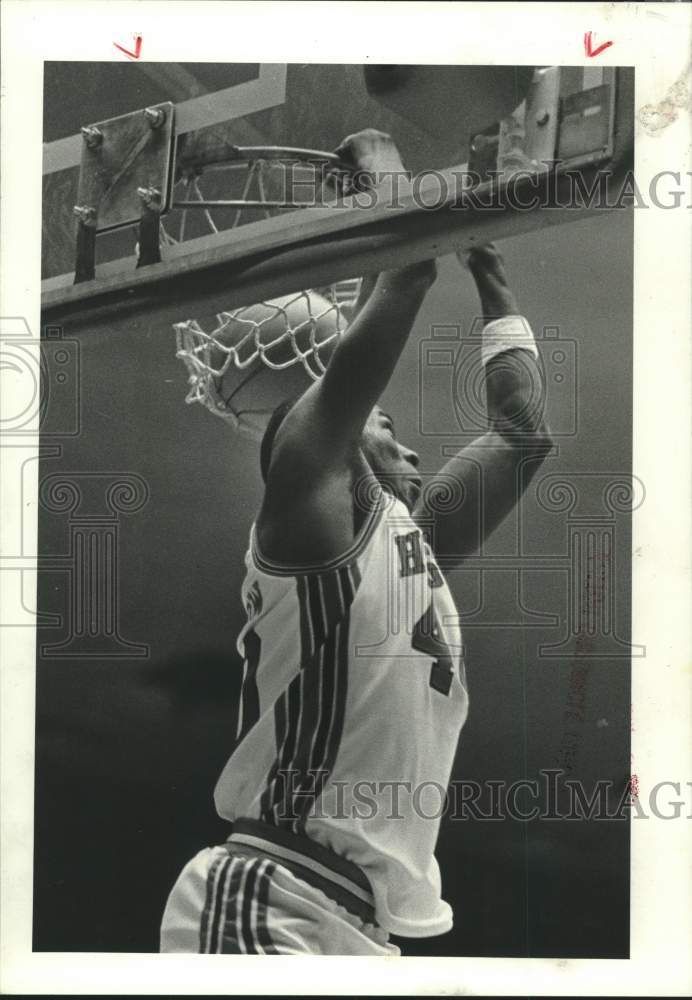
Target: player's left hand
(374,157)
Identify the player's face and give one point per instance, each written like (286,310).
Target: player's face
(394,466)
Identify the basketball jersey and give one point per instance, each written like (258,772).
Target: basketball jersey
(352,701)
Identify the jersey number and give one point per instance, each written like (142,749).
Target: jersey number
(427,635)
(427,638)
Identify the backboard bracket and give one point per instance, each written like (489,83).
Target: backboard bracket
(121,155)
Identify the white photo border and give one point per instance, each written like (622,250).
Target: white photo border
(652,37)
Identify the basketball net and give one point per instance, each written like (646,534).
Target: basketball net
(265,334)
(297,331)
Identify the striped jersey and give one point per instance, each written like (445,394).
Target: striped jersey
(352,701)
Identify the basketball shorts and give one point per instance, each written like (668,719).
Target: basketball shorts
(256,896)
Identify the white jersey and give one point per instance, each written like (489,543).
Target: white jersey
(353,697)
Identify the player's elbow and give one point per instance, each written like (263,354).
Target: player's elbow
(541,439)
(522,424)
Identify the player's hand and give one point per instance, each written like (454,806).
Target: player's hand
(486,263)
(372,155)
(424,270)
(404,279)
(483,259)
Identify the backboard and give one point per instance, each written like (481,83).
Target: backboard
(445,120)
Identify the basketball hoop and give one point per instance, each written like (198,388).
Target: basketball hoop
(258,343)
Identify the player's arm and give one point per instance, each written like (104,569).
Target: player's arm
(325,426)
(488,477)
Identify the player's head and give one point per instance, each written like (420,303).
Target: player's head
(393,465)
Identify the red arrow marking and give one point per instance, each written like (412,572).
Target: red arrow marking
(138,48)
(594,52)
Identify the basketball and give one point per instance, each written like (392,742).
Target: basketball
(258,355)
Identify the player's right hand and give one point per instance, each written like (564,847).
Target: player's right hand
(372,154)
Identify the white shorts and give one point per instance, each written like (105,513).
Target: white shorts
(238,899)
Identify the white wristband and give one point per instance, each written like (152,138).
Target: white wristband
(509,333)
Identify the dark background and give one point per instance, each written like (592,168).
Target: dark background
(128,748)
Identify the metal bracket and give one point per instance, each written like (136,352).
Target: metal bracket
(586,126)
(121,155)
(85,250)
(125,179)
(148,247)
(526,139)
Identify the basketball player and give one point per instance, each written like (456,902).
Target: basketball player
(354,689)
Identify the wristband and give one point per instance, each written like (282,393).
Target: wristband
(509,333)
